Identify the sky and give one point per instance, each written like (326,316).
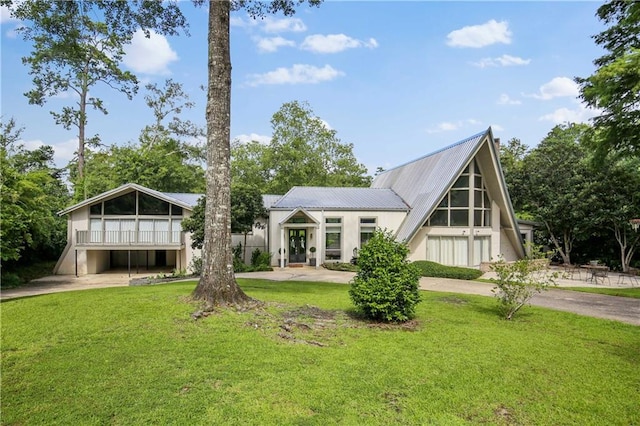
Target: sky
(398,80)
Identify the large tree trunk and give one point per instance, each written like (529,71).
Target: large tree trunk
(217,285)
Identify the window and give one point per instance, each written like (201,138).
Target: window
(367,228)
(464,203)
(122,205)
(96,209)
(149,205)
(333,239)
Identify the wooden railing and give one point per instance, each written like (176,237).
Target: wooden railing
(129,238)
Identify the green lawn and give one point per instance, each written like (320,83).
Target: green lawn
(126,356)
(621,292)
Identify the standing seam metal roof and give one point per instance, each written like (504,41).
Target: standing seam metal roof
(341,198)
(423,182)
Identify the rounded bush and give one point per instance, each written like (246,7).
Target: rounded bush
(386,285)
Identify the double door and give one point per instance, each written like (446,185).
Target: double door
(297,245)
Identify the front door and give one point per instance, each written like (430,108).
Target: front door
(297,245)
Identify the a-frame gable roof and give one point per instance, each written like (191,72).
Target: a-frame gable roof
(184,200)
(423,182)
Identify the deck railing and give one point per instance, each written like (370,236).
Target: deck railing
(130,238)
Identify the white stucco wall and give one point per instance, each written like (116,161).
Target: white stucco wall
(350,234)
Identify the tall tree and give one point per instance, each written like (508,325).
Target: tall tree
(217,285)
(246,207)
(615,85)
(614,193)
(512,155)
(302,151)
(557,172)
(79,44)
(31,193)
(167,158)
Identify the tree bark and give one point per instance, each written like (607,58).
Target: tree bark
(217,285)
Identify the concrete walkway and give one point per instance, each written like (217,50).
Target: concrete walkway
(600,306)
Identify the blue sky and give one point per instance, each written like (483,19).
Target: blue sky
(398,80)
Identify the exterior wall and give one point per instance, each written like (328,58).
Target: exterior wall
(78,220)
(256,239)
(506,248)
(350,235)
(96,261)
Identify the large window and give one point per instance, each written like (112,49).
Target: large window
(333,239)
(132,202)
(467,202)
(367,228)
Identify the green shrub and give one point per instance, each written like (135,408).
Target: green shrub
(518,281)
(11,280)
(260,258)
(340,266)
(196,266)
(386,286)
(433,269)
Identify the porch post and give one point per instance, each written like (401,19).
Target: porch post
(282,250)
(76,262)
(129,261)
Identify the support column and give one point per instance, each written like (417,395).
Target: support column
(76,262)
(282,252)
(129,261)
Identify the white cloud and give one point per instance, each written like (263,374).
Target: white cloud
(502,61)
(448,126)
(504,99)
(297,74)
(272,44)
(272,25)
(580,114)
(5,15)
(244,138)
(556,88)
(333,43)
(149,55)
(63,152)
(486,34)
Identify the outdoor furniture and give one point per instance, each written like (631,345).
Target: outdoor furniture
(571,270)
(631,275)
(595,272)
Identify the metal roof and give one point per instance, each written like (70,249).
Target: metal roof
(186,198)
(423,182)
(187,201)
(269,200)
(341,199)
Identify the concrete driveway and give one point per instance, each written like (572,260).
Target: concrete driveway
(622,309)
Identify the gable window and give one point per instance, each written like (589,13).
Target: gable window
(148,205)
(367,228)
(122,205)
(467,201)
(333,239)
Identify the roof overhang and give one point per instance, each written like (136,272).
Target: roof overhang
(294,212)
(123,189)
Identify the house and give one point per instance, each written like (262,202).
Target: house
(128,227)
(450,207)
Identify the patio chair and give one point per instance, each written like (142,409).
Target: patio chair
(601,274)
(571,270)
(631,275)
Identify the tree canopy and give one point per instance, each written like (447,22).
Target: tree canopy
(167,158)
(79,44)
(614,88)
(303,151)
(32,193)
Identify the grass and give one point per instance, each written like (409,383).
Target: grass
(127,356)
(621,292)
